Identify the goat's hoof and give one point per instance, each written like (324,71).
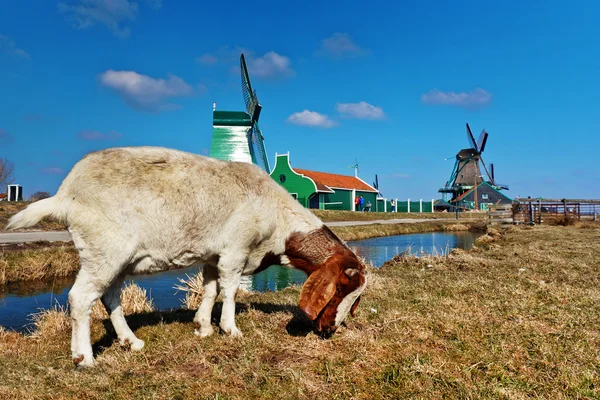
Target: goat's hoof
(82,362)
(204,332)
(137,344)
(233,332)
(134,344)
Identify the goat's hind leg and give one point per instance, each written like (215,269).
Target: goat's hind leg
(82,296)
(112,302)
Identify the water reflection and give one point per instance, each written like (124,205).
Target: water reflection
(18,302)
(380,250)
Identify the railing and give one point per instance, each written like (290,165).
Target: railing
(535,210)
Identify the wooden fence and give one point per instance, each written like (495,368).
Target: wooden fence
(527,210)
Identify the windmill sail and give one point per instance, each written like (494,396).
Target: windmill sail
(256,140)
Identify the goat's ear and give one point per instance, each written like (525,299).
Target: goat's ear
(355,306)
(317,292)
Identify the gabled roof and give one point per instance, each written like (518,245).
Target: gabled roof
(465,194)
(326,181)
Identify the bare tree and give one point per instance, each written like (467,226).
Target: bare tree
(39,196)
(6,173)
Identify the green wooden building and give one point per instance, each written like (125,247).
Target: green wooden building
(322,190)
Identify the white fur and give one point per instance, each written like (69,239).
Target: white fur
(346,304)
(144,209)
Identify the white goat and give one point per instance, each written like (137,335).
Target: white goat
(145,209)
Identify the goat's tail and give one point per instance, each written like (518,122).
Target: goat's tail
(49,207)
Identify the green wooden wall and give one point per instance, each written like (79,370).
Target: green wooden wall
(343,196)
(292,182)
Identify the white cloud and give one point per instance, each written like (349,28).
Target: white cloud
(269,65)
(7,45)
(97,135)
(143,92)
(311,118)
(362,110)
(478,97)
(53,170)
(114,14)
(156,4)
(339,45)
(207,59)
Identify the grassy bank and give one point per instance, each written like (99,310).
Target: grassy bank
(360,232)
(333,215)
(516,317)
(37,261)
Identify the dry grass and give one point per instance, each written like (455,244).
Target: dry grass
(334,215)
(360,232)
(134,300)
(516,317)
(8,209)
(192,286)
(37,261)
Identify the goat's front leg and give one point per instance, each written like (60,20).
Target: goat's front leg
(210,276)
(230,273)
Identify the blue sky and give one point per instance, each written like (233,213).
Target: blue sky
(391,85)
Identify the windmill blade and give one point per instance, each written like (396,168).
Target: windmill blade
(252,104)
(492,171)
(486,170)
(259,144)
(482,140)
(471,137)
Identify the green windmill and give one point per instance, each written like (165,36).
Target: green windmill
(236,135)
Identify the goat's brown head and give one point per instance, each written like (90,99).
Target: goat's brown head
(332,291)
(336,277)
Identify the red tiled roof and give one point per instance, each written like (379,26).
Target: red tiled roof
(3,195)
(325,181)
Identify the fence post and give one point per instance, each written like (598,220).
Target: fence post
(421,206)
(408,204)
(564,201)
(396,205)
(540,211)
(432,205)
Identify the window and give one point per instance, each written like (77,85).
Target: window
(484,196)
(282,178)
(294,195)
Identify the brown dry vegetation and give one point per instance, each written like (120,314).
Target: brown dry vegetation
(37,261)
(334,215)
(516,317)
(360,232)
